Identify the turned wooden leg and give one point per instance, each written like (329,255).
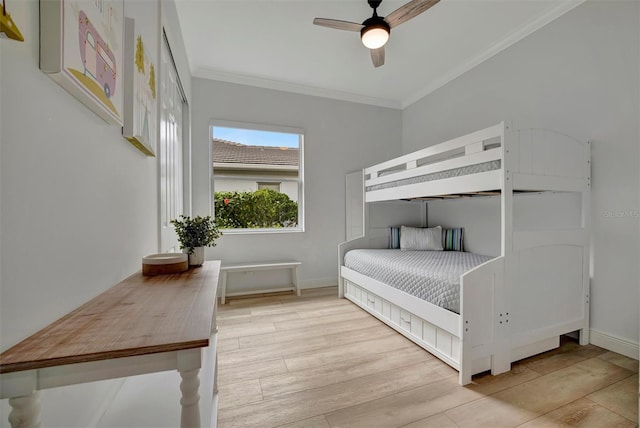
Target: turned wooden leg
(190,401)
(25,411)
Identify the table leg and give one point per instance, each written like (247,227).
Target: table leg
(223,280)
(190,401)
(25,411)
(296,279)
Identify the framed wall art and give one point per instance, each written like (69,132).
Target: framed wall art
(81,48)
(141,41)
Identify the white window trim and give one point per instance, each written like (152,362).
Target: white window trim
(271,128)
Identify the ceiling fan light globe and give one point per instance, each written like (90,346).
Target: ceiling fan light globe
(375,37)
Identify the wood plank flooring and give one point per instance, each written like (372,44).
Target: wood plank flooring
(317,361)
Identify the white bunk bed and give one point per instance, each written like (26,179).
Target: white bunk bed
(514,305)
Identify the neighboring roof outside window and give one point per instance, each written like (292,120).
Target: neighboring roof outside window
(228,152)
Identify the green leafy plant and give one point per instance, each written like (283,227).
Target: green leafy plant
(264,208)
(196,232)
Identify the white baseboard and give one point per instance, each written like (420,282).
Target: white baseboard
(614,344)
(318,283)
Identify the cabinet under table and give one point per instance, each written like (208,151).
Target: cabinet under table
(140,325)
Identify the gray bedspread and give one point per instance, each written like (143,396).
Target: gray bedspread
(457,172)
(433,276)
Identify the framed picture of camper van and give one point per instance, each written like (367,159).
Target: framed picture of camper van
(81,48)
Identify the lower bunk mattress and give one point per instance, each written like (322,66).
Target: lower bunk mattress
(433,276)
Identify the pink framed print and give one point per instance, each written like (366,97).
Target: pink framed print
(81,48)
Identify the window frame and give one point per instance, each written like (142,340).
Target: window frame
(300,228)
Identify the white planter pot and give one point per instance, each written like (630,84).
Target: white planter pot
(196,258)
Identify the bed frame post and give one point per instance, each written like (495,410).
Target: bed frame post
(478,288)
(586,252)
(356,212)
(501,358)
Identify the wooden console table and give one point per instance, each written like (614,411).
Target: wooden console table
(141,325)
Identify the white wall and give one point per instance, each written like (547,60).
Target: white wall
(78,209)
(577,75)
(340,137)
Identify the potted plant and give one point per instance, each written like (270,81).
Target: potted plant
(194,234)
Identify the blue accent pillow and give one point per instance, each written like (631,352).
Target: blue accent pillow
(394,237)
(453,239)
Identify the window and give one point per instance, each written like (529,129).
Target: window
(272,186)
(173,111)
(257,178)
(91,40)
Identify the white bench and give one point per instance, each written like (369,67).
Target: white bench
(248,267)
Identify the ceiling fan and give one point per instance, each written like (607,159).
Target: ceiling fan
(375,31)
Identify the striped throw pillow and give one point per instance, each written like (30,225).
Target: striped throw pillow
(453,239)
(394,238)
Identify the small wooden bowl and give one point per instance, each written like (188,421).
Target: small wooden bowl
(164,263)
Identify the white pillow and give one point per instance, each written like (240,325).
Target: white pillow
(416,238)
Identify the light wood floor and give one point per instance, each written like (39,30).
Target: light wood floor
(319,361)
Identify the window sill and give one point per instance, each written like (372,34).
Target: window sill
(261,231)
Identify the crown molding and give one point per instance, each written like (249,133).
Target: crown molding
(493,50)
(498,47)
(293,87)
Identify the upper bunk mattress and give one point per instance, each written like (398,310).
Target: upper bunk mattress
(433,276)
(456,172)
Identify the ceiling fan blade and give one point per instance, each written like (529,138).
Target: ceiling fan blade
(408,11)
(338,24)
(377,56)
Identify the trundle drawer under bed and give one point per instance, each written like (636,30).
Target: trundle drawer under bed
(427,335)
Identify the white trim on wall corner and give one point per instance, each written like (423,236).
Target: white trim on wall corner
(277,85)
(614,344)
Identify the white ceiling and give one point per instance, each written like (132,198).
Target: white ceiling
(273,44)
